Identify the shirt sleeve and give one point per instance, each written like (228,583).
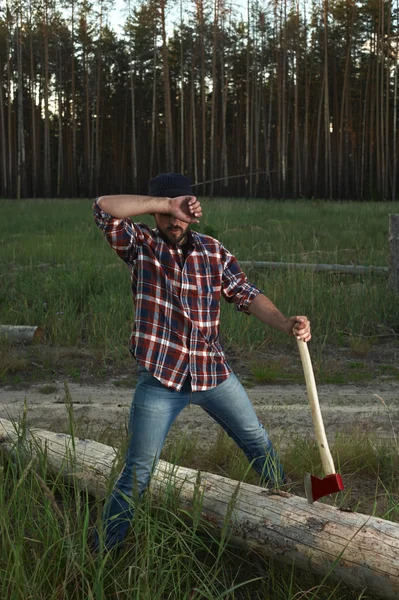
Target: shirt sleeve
(122,235)
(235,285)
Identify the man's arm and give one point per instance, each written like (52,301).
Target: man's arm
(185,208)
(264,309)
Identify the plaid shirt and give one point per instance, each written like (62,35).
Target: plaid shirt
(177,300)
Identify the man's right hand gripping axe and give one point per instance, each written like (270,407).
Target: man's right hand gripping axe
(316,488)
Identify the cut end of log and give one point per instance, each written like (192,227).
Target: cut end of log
(22,333)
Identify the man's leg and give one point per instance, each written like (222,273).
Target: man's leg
(229,405)
(153,410)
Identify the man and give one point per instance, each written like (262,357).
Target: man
(178,278)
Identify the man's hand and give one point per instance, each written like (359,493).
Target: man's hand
(300,328)
(185,208)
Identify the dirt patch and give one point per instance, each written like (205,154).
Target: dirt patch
(101,391)
(283,409)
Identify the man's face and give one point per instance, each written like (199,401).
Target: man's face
(174,230)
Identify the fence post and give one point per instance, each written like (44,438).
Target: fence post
(393,239)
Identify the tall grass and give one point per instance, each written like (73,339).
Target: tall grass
(46,531)
(81,293)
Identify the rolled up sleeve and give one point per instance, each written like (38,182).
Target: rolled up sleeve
(235,285)
(121,234)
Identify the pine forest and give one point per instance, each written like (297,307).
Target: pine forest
(283,99)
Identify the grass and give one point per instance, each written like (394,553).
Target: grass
(46,528)
(58,272)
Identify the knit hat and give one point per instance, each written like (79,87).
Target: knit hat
(170,185)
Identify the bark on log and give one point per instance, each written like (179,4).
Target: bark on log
(21,333)
(360,550)
(393,239)
(346,269)
(318,268)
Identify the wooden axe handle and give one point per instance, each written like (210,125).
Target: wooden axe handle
(326,458)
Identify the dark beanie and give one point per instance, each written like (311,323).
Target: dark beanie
(170,185)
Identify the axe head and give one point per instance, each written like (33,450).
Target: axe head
(316,488)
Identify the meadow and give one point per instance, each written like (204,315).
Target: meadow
(56,271)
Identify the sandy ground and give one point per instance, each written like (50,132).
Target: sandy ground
(283,409)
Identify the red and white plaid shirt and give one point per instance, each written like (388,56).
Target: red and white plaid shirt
(177,300)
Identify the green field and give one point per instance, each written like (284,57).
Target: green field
(57,271)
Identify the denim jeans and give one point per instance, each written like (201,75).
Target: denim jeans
(153,410)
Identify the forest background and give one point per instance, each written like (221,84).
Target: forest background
(297,99)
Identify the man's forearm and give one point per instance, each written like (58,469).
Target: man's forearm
(123,206)
(264,309)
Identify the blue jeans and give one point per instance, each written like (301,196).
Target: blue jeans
(153,410)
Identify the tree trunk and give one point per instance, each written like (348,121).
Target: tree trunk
(194,128)
(318,130)
(358,550)
(269,137)
(21,333)
(21,173)
(395,123)
(200,18)
(213,102)
(134,147)
(47,172)
(327,133)
(247,104)
(393,239)
(98,103)
(9,103)
(73,174)
(33,107)
(154,108)
(224,84)
(3,136)
(60,141)
(182,140)
(344,100)
(166,86)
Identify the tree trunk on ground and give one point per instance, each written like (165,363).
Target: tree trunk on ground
(358,550)
(21,333)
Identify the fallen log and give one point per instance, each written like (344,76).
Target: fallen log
(360,550)
(318,268)
(21,333)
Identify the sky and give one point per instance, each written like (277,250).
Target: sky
(117,13)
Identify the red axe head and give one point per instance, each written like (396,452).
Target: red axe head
(316,488)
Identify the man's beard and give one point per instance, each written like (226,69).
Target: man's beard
(172,233)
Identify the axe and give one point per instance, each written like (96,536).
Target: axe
(316,488)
